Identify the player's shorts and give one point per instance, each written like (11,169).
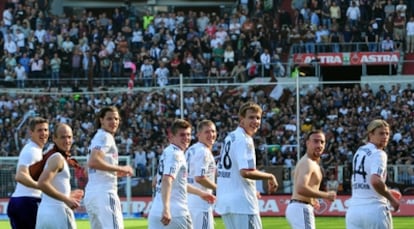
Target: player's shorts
(104,210)
(55,217)
(368,216)
(300,215)
(22,211)
(242,221)
(202,219)
(178,222)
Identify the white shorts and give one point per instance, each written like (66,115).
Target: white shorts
(300,216)
(242,221)
(104,210)
(202,219)
(55,217)
(181,222)
(368,216)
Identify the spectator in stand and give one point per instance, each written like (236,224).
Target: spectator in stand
(326,14)
(265,61)
(36,67)
(140,162)
(387,44)
(76,63)
(388,27)
(399,31)
(322,36)
(88,64)
(161,74)
(10,60)
(389,9)
(8,16)
(105,64)
(309,40)
(21,75)
(9,45)
(410,35)
(9,76)
(229,56)
(55,63)
(213,73)
(332,184)
(353,14)
(223,73)
(146,73)
(335,12)
(252,69)
(401,9)
(238,72)
(371,39)
(335,38)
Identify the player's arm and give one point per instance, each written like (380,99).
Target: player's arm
(23,177)
(166,186)
(382,189)
(255,174)
(302,184)
(97,161)
(54,165)
(204,181)
(210,198)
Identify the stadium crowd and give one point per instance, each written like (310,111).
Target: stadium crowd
(204,46)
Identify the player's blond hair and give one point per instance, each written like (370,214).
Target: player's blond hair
(204,123)
(373,125)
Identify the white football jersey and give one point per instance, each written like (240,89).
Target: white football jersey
(200,162)
(236,194)
(172,163)
(61,182)
(30,154)
(367,161)
(99,180)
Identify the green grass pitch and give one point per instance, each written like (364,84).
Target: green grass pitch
(268,222)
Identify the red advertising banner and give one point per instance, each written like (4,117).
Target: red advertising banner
(344,59)
(269,206)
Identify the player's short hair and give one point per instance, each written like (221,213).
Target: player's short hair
(102,114)
(57,126)
(36,120)
(314,132)
(204,123)
(179,124)
(249,106)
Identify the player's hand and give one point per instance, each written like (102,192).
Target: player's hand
(166,217)
(316,205)
(72,203)
(258,195)
(396,194)
(124,171)
(331,195)
(272,184)
(395,201)
(154,182)
(77,194)
(210,198)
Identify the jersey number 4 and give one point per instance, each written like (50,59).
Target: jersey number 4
(359,167)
